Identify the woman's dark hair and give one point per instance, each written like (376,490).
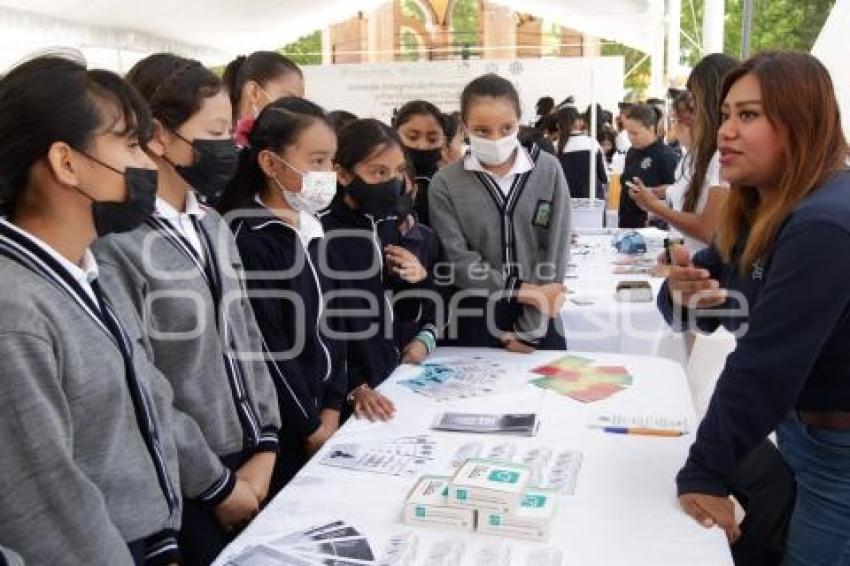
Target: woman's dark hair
(704,85)
(277,126)
(600,117)
(529,135)
(55,99)
(174,87)
(566,118)
(645,114)
(338,119)
(451,125)
(609,134)
(798,99)
(683,103)
(545,104)
(548,124)
(416,108)
(261,67)
(491,85)
(360,139)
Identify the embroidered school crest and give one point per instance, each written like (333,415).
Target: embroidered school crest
(543,214)
(758,270)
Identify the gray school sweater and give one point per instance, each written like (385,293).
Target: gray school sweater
(76,480)
(10,557)
(496,243)
(177,309)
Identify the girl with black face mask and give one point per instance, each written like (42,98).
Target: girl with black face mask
(421,127)
(182,271)
(90,463)
(381,258)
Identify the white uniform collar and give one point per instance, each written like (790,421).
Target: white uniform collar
(309,227)
(193,207)
(84,274)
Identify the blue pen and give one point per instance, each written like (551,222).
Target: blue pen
(641,431)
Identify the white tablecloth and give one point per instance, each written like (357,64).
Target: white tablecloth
(624,510)
(609,325)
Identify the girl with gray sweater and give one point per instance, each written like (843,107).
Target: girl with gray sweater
(89,466)
(182,272)
(502,215)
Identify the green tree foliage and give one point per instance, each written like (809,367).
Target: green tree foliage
(411,9)
(638,80)
(777,24)
(306,50)
(465,20)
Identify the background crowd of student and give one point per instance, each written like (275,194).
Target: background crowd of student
(181,331)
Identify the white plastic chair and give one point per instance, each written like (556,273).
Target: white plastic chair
(705,363)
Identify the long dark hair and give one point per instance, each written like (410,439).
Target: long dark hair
(174,87)
(451,126)
(704,85)
(261,67)
(545,105)
(798,99)
(566,117)
(278,126)
(53,99)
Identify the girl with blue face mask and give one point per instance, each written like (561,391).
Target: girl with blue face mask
(502,215)
(285,177)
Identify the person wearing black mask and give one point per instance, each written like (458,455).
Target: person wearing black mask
(90,459)
(182,272)
(378,255)
(421,127)
(193,144)
(211,166)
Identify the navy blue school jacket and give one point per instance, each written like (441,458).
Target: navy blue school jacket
(276,261)
(357,243)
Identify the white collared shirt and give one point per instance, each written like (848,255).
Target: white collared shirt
(181,221)
(522,164)
(308,229)
(84,275)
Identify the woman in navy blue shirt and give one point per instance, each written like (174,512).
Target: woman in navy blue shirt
(777,273)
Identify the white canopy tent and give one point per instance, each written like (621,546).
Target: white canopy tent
(115,34)
(213,31)
(635,23)
(831,49)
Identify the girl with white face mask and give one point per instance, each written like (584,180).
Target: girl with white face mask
(285,177)
(503,211)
